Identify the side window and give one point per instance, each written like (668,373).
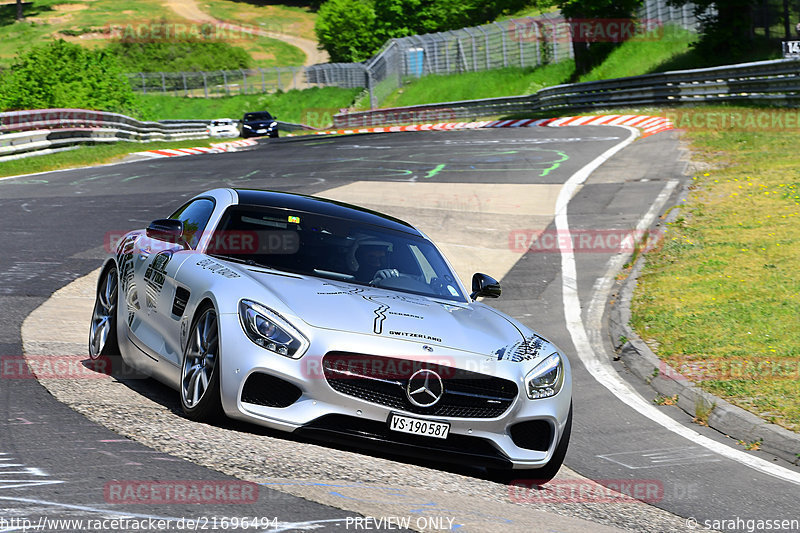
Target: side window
(194,216)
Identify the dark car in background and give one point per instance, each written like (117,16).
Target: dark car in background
(259,123)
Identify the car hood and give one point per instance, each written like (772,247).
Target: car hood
(354,308)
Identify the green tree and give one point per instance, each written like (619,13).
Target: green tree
(353,30)
(62,74)
(587,54)
(346,30)
(726,27)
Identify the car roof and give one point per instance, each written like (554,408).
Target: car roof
(322,206)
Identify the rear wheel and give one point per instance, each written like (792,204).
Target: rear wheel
(200,391)
(103,330)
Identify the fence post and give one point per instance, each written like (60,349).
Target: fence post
(185,86)
(263,81)
(503,37)
(163,83)
(225,83)
(244,81)
(373,101)
(278,72)
(488,57)
(205,84)
(144,85)
(474,50)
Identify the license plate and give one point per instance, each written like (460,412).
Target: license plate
(417,426)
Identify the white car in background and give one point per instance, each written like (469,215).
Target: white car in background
(223,127)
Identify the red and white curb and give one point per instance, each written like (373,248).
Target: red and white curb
(648,125)
(216,148)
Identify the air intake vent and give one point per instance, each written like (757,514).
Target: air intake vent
(269,391)
(532,435)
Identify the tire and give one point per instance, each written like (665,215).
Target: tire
(199,387)
(103,329)
(540,476)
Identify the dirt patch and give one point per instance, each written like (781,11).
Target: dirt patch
(66,8)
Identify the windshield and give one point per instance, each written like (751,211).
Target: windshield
(263,115)
(333,248)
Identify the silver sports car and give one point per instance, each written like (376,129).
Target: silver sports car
(335,322)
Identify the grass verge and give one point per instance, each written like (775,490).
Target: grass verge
(719,300)
(641,55)
(314,107)
(90,155)
(474,85)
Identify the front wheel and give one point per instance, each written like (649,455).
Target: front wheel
(103,330)
(200,391)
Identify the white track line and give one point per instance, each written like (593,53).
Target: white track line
(593,352)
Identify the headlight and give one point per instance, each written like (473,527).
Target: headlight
(269,330)
(248,126)
(273,124)
(546,378)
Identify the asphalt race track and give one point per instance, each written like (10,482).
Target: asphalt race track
(57,463)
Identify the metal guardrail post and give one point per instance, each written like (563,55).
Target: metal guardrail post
(163,83)
(185,86)
(205,84)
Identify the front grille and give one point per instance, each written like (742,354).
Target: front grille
(269,391)
(383,381)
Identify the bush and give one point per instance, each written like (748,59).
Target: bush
(346,30)
(62,74)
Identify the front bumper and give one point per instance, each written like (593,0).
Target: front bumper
(320,411)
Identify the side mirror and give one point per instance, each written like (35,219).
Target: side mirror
(484,286)
(166,229)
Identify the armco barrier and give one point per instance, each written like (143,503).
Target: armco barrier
(774,82)
(26,133)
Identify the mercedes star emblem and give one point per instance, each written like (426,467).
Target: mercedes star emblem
(424,388)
